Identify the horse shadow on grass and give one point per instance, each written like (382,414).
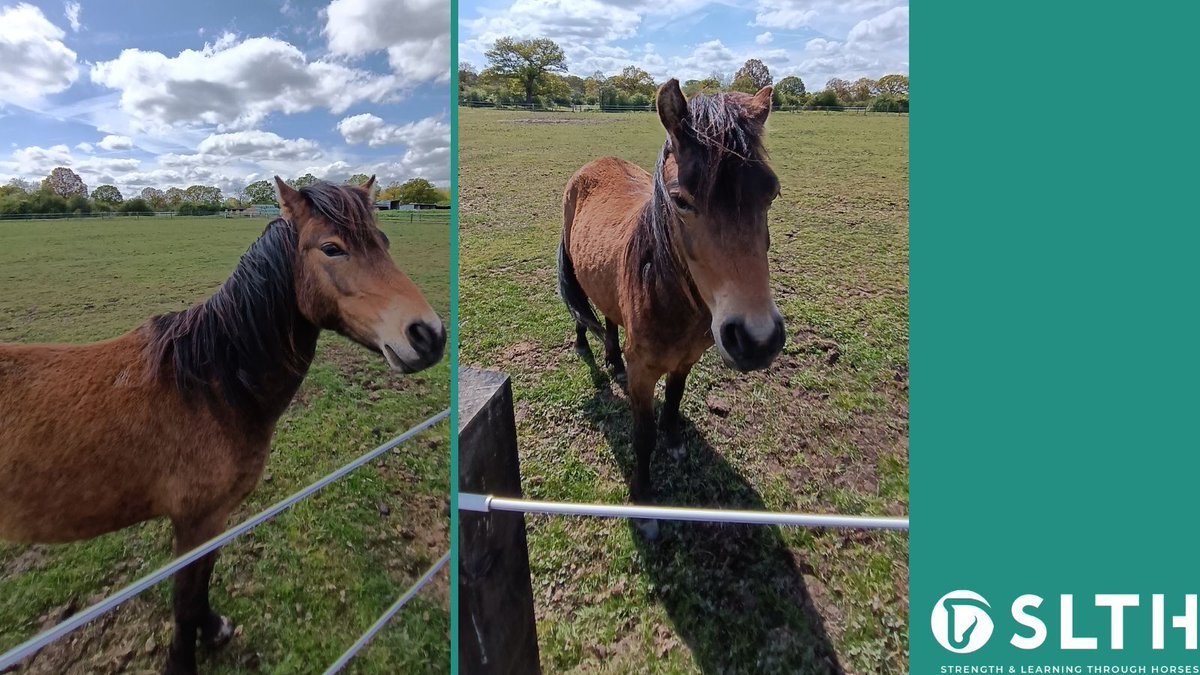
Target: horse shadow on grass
(734,592)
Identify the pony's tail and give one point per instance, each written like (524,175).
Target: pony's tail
(572,293)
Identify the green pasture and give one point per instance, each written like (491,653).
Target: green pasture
(303,587)
(825,429)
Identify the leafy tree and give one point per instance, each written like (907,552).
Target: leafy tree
(577,85)
(44,201)
(174,197)
(744,84)
(202,194)
(303,181)
(467,75)
(260,192)
(64,183)
(633,80)
(137,205)
(888,103)
(525,62)
(840,89)
(28,187)
(895,85)
(108,194)
(823,99)
(863,89)
(757,73)
(78,204)
(791,86)
(724,80)
(417,191)
(361,179)
(156,198)
(709,85)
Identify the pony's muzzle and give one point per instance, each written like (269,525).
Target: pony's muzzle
(423,346)
(746,345)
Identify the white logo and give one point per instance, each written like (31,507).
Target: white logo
(960,621)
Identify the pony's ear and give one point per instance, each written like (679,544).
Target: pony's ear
(672,109)
(289,199)
(760,104)
(367,186)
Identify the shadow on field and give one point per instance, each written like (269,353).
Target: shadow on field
(734,592)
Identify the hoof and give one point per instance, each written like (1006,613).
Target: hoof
(224,633)
(677,451)
(648,528)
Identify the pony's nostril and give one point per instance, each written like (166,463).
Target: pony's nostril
(733,336)
(422,337)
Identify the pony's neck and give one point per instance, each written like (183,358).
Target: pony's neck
(246,349)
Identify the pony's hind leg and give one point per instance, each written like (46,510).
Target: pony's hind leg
(612,350)
(193,614)
(670,422)
(582,347)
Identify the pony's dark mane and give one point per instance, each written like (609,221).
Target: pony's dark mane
(723,140)
(242,333)
(347,208)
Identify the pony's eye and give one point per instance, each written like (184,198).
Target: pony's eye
(682,204)
(332,250)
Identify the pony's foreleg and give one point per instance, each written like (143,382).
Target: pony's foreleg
(193,614)
(671,422)
(612,350)
(641,400)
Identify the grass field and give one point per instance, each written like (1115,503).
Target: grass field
(824,429)
(303,587)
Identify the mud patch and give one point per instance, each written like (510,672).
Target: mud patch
(551,120)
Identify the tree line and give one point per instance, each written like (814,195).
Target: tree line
(62,191)
(534,72)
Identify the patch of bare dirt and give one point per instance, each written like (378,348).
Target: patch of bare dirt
(32,558)
(558,120)
(129,640)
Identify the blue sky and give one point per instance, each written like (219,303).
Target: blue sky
(690,39)
(159,94)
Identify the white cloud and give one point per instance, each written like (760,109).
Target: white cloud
(873,47)
(71,10)
(427,141)
(583,28)
(414,33)
(592,33)
(116,143)
(85,147)
(36,62)
(257,145)
(786,14)
(232,84)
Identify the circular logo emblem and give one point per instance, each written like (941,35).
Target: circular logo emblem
(961,622)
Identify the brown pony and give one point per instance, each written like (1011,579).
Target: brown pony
(679,259)
(175,417)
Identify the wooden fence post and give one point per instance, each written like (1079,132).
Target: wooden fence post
(497,628)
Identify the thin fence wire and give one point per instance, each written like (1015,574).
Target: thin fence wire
(485,503)
(92,216)
(387,616)
(39,641)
